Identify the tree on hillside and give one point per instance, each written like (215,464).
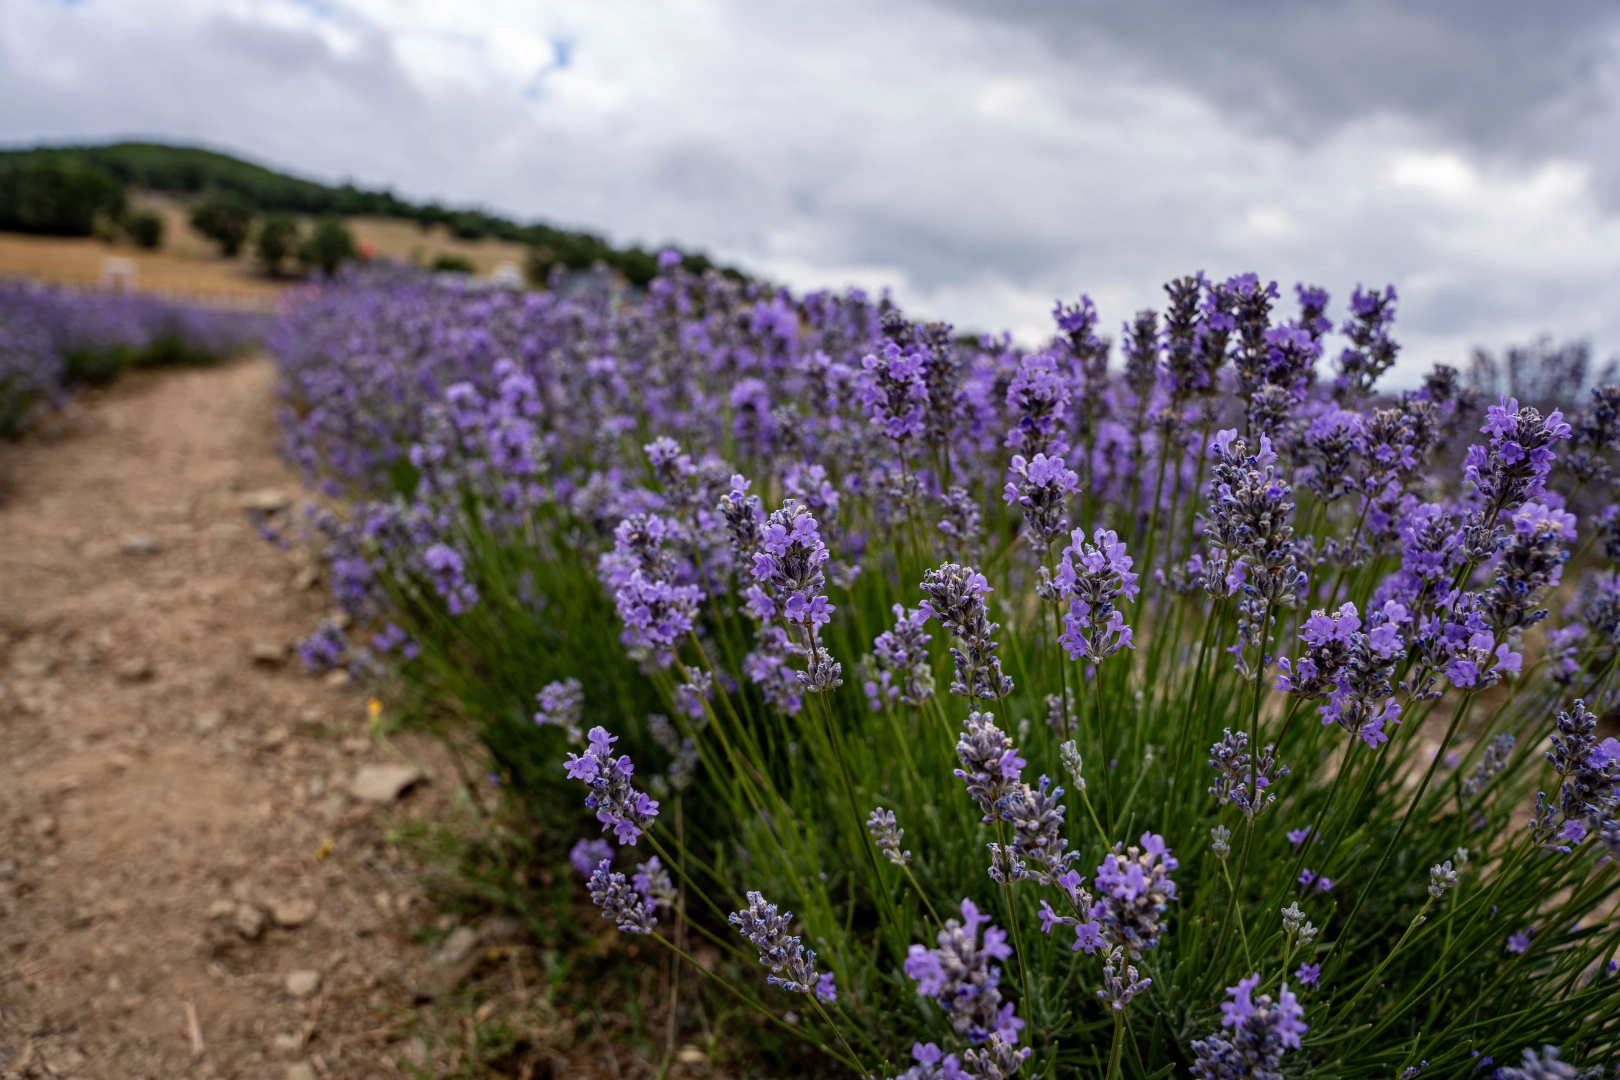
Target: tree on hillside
(224,217)
(328,246)
(278,241)
(145,228)
(56,196)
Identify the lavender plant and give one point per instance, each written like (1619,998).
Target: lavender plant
(1335,747)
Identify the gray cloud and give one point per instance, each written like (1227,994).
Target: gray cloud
(1483,70)
(983,159)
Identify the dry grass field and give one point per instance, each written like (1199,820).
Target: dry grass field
(190,266)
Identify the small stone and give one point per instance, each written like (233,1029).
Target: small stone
(383,783)
(45,826)
(338,677)
(690,1055)
(452,962)
(221,909)
(286,1045)
(307,578)
(265,500)
(276,737)
(249,921)
(207,723)
(300,1070)
(8,869)
(269,653)
(141,544)
(414,1052)
(292,913)
(134,669)
(303,984)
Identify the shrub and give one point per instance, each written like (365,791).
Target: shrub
(45,194)
(277,241)
(454,264)
(328,247)
(224,217)
(1328,797)
(145,228)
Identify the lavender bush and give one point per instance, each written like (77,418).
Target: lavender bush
(53,339)
(840,598)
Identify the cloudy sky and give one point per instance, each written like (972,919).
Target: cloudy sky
(980,158)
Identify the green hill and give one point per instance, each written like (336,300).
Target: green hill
(62,189)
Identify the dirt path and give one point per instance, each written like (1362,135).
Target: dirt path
(178,834)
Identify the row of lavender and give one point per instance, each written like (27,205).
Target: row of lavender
(841,582)
(53,339)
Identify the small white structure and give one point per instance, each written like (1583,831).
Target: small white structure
(508,275)
(119,273)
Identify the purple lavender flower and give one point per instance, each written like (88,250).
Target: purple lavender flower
(1040,486)
(1308,974)
(793,967)
(1513,468)
(1371,351)
(618,805)
(1298,836)
(1491,764)
(1249,532)
(894,391)
(448,572)
(1589,797)
(587,854)
(1093,576)
(990,763)
(620,901)
(902,653)
(1242,779)
(1262,1032)
(789,564)
(561,704)
(1037,400)
(1038,850)
(1134,891)
(886,833)
(1308,878)
(325,648)
(961,974)
(956,598)
(1544,1066)
(1120,980)
(656,609)
(1519,942)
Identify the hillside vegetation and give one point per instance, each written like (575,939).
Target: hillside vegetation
(70,190)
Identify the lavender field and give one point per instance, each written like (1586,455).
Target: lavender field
(1166,699)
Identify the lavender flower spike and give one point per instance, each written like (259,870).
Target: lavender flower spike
(1262,1032)
(617,804)
(1094,576)
(560,705)
(626,905)
(962,976)
(793,967)
(1544,1066)
(1134,891)
(886,833)
(956,598)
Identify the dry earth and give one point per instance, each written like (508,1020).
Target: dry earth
(189,886)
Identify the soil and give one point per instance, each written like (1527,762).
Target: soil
(177,832)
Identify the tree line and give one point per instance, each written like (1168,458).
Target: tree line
(78,190)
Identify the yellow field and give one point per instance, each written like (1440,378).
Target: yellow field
(189,265)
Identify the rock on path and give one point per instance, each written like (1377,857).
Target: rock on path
(177,831)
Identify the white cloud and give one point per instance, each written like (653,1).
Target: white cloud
(978,172)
